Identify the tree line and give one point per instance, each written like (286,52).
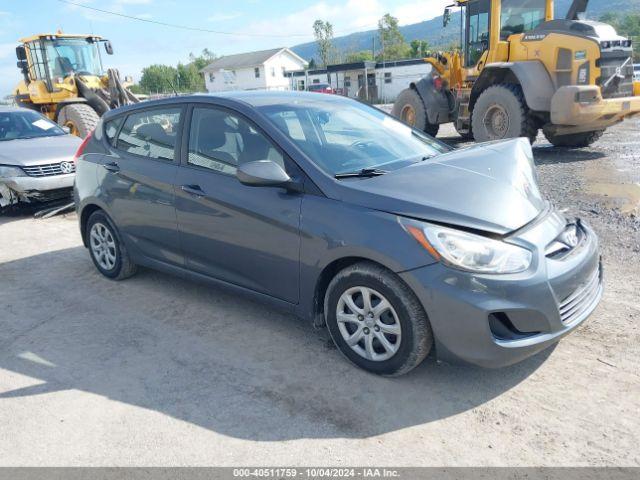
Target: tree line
(390,44)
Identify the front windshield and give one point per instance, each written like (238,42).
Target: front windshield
(342,136)
(26,124)
(68,56)
(520,16)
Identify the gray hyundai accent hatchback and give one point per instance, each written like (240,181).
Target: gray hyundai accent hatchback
(338,212)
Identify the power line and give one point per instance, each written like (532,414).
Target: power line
(184,27)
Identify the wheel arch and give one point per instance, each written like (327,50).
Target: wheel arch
(64,103)
(327,274)
(85,213)
(532,76)
(436,103)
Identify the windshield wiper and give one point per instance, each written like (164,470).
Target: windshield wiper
(365,172)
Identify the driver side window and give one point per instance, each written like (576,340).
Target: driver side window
(220,141)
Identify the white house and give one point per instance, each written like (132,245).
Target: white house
(263,70)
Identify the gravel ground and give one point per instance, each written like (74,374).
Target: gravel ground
(161,371)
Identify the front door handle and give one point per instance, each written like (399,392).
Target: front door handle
(112,167)
(194,190)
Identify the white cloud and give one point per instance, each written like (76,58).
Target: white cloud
(349,17)
(222,17)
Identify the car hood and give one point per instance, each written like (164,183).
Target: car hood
(490,187)
(38,151)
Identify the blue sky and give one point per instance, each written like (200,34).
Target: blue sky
(137,44)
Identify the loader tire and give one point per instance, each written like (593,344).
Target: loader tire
(410,109)
(79,117)
(501,112)
(575,140)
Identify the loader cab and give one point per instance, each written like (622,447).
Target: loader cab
(489,23)
(52,58)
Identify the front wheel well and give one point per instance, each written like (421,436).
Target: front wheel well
(489,78)
(324,279)
(84,218)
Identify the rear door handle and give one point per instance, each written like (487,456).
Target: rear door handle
(112,167)
(194,190)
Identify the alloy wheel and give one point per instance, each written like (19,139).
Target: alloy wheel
(103,246)
(368,323)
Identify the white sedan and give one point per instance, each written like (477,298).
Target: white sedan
(36,157)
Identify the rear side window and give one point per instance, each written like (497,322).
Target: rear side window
(151,133)
(111,130)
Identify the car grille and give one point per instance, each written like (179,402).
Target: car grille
(609,62)
(47,170)
(581,299)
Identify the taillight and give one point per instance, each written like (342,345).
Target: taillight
(81,148)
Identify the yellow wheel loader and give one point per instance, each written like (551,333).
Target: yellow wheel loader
(64,79)
(521,71)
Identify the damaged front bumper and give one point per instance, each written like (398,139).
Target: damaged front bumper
(25,188)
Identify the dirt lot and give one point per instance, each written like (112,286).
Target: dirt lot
(160,371)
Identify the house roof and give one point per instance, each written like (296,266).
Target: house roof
(244,60)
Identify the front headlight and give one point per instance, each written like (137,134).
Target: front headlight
(6,171)
(470,252)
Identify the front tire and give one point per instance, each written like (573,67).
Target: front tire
(107,251)
(80,118)
(501,112)
(376,321)
(575,140)
(410,109)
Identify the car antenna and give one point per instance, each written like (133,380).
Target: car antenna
(175,92)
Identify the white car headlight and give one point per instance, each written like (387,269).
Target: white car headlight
(7,171)
(470,252)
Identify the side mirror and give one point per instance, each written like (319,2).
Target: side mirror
(262,173)
(108,47)
(66,129)
(446,17)
(21,53)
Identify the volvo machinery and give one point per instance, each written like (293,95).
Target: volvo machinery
(64,78)
(520,70)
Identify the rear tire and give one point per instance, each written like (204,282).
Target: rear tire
(377,349)
(501,112)
(107,251)
(575,140)
(410,109)
(79,117)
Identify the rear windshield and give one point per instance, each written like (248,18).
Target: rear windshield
(26,124)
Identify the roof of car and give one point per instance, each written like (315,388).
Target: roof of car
(258,98)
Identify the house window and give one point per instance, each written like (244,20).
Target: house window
(212,77)
(316,80)
(256,71)
(273,71)
(284,72)
(347,81)
(387,77)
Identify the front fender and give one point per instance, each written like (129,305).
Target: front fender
(532,76)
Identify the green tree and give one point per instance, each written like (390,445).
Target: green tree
(419,48)
(391,40)
(158,79)
(323,31)
(361,56)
